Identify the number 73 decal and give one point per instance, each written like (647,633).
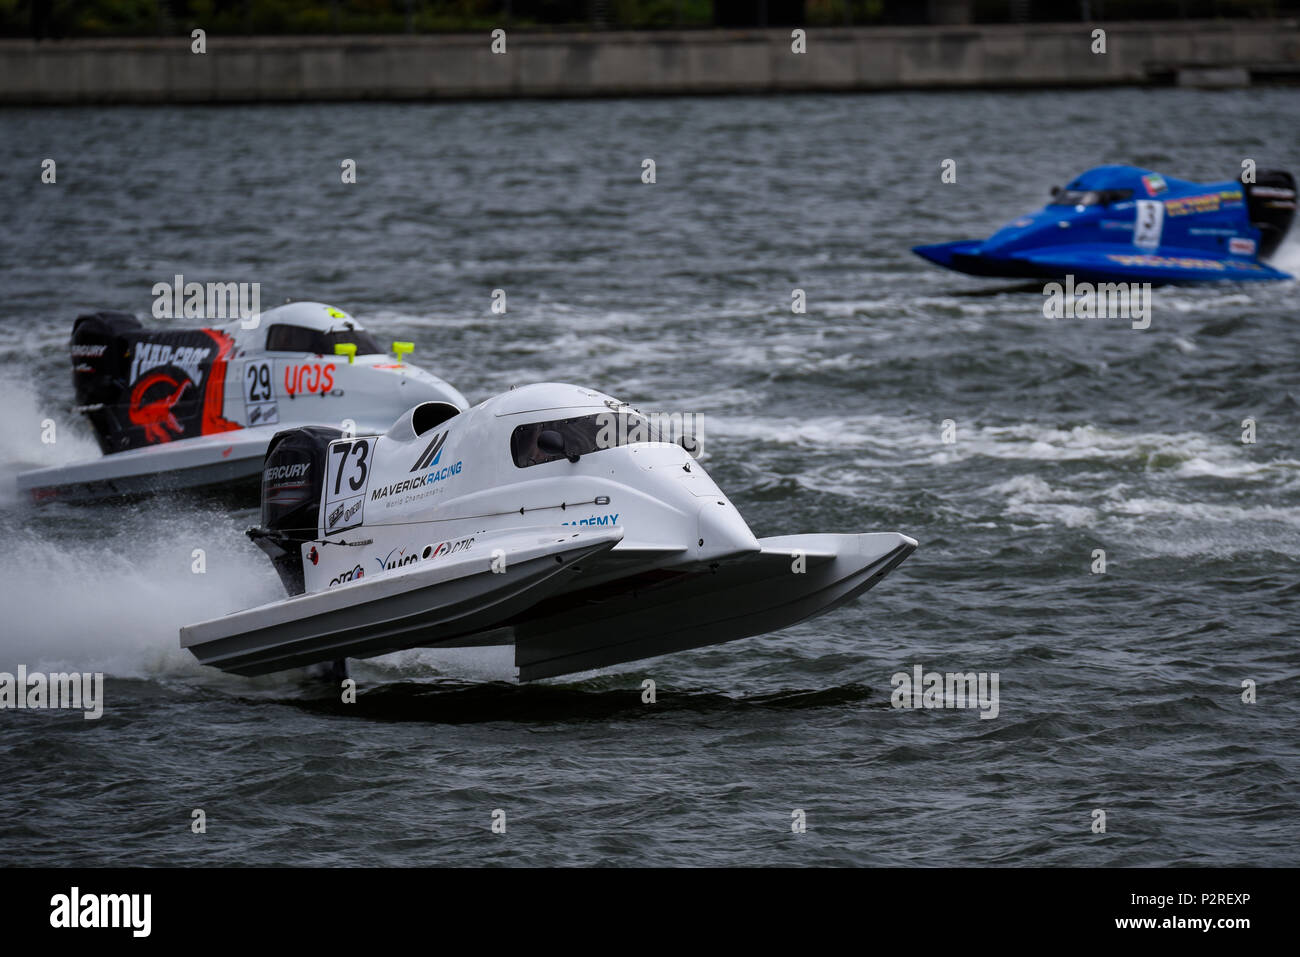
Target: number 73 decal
(346,479)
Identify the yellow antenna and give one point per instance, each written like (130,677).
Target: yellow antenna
(402,348)
(348,349)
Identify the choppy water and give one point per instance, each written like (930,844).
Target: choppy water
(1118,691)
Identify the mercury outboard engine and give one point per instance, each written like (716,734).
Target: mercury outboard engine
(142,387)
(1270,201)
(101,359)
(293,474)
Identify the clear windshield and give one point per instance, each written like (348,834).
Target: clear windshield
(582,435)
(1089,197)
(286,338)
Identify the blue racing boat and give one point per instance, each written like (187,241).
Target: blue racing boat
(1125,224)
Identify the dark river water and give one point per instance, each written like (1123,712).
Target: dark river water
(1119,692)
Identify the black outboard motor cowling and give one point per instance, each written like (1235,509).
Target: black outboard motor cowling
(1270,201)
(144,387)
(101,347)
(293,474)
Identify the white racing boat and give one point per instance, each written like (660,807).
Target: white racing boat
(182,408)
(549,517)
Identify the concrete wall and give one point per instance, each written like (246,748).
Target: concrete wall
(242,69)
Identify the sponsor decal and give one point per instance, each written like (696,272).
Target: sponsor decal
(411,484)
(214,391)
(396,559)
(1204,203)
(152,400)
(170,385)
(1207,203)
(1179,262)
(1241,247)
(285,484)
(595,520)
(150,355)
(1154,183)
(431,454)
(162,373)
(310,379)
(443,549)
(334,517)
(356,574)
(278,473)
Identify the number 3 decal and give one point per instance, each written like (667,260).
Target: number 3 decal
(1149,223)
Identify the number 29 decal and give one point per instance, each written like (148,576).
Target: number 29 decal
(260,407)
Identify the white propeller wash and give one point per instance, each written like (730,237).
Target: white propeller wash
(180,408)
(522,520)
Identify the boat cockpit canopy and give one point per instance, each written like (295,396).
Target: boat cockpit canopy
(283,337)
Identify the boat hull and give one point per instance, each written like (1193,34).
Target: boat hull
(531,588)
(1097,264)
